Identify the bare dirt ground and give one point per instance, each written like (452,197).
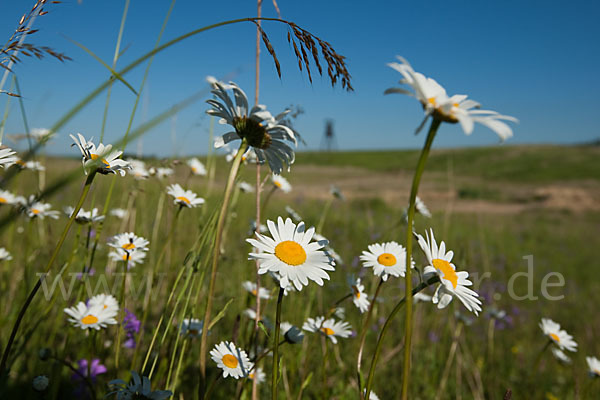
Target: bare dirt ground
(440,191)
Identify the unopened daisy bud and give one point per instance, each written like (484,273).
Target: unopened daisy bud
(291,333)
(40,383)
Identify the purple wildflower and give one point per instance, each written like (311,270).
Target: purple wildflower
(95,369)
(132,327)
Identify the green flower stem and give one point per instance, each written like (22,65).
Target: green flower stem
(386,325)
(324,215)
(275,371)
(122,311)
(36,288)
(363,336)
(235,166)
(435,124)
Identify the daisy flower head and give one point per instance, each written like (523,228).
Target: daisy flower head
(232,360)
(184,198)
(137,388)
(90,317)
(7,197)
(451,109)
(422,208)
(453,283)
(132,257)
(425,298)
(245,187)
(138,169)
(191,327)
(4,255)
(329,328)
(560,355)
(281,183)
(129,242)
(161,172)
(37,209)
(593,366)
(29,165)
(257,374)
(7,157)
(386,259)
(103,158)
(118,212)
(291,253)
(106,301)
(251,287)
(559,336)
(359,297)
(85,217)
(263,132)
(40,134)
(196,166)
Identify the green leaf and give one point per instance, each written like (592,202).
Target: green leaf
(220,315)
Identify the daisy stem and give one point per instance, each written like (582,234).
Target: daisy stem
(432,280)
(324,215)
(122,311)
(36,288)
(235,166)
(435,124)
(363,336)
(276,346)
(539,358)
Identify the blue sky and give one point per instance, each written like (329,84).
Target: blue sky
(535,60)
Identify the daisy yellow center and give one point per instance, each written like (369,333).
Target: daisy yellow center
(290,253)
(253,291)
(125,256)
(128,246)
(386,259)
(555,337)
(230,361)
(194,169)
(89,319)
(251,375)
(327,331)
(102,160)
(2,200)
(356,291)
(35,211)
(183,199)
(277,183)
(445,268)
(431,101)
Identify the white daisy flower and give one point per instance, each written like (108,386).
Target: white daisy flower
(30,165)
(251,287)
(291,254)
(118,212)
(386,259)
(4,255)
(196,166)
(85,217)
(7,157)
(7,197)
(40,134)
(138,169)
(453,283)
(184,198)
(106,301)
(232,360)
(559,336)
(132,257)
(281,183)
(129,242)
(561,356)
(329,328)
(37,209)
(248,157)
(452,109)
(359,297)
(264,132)
(250,313)
(372,395)
(288,289)
(292,333)
(422,208)
(245,187)
(137,388)
(161,173)
(191,327)
(257,374)
(593,365)
(103,158)
(90,317)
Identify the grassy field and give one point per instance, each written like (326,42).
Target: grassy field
(492,206)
